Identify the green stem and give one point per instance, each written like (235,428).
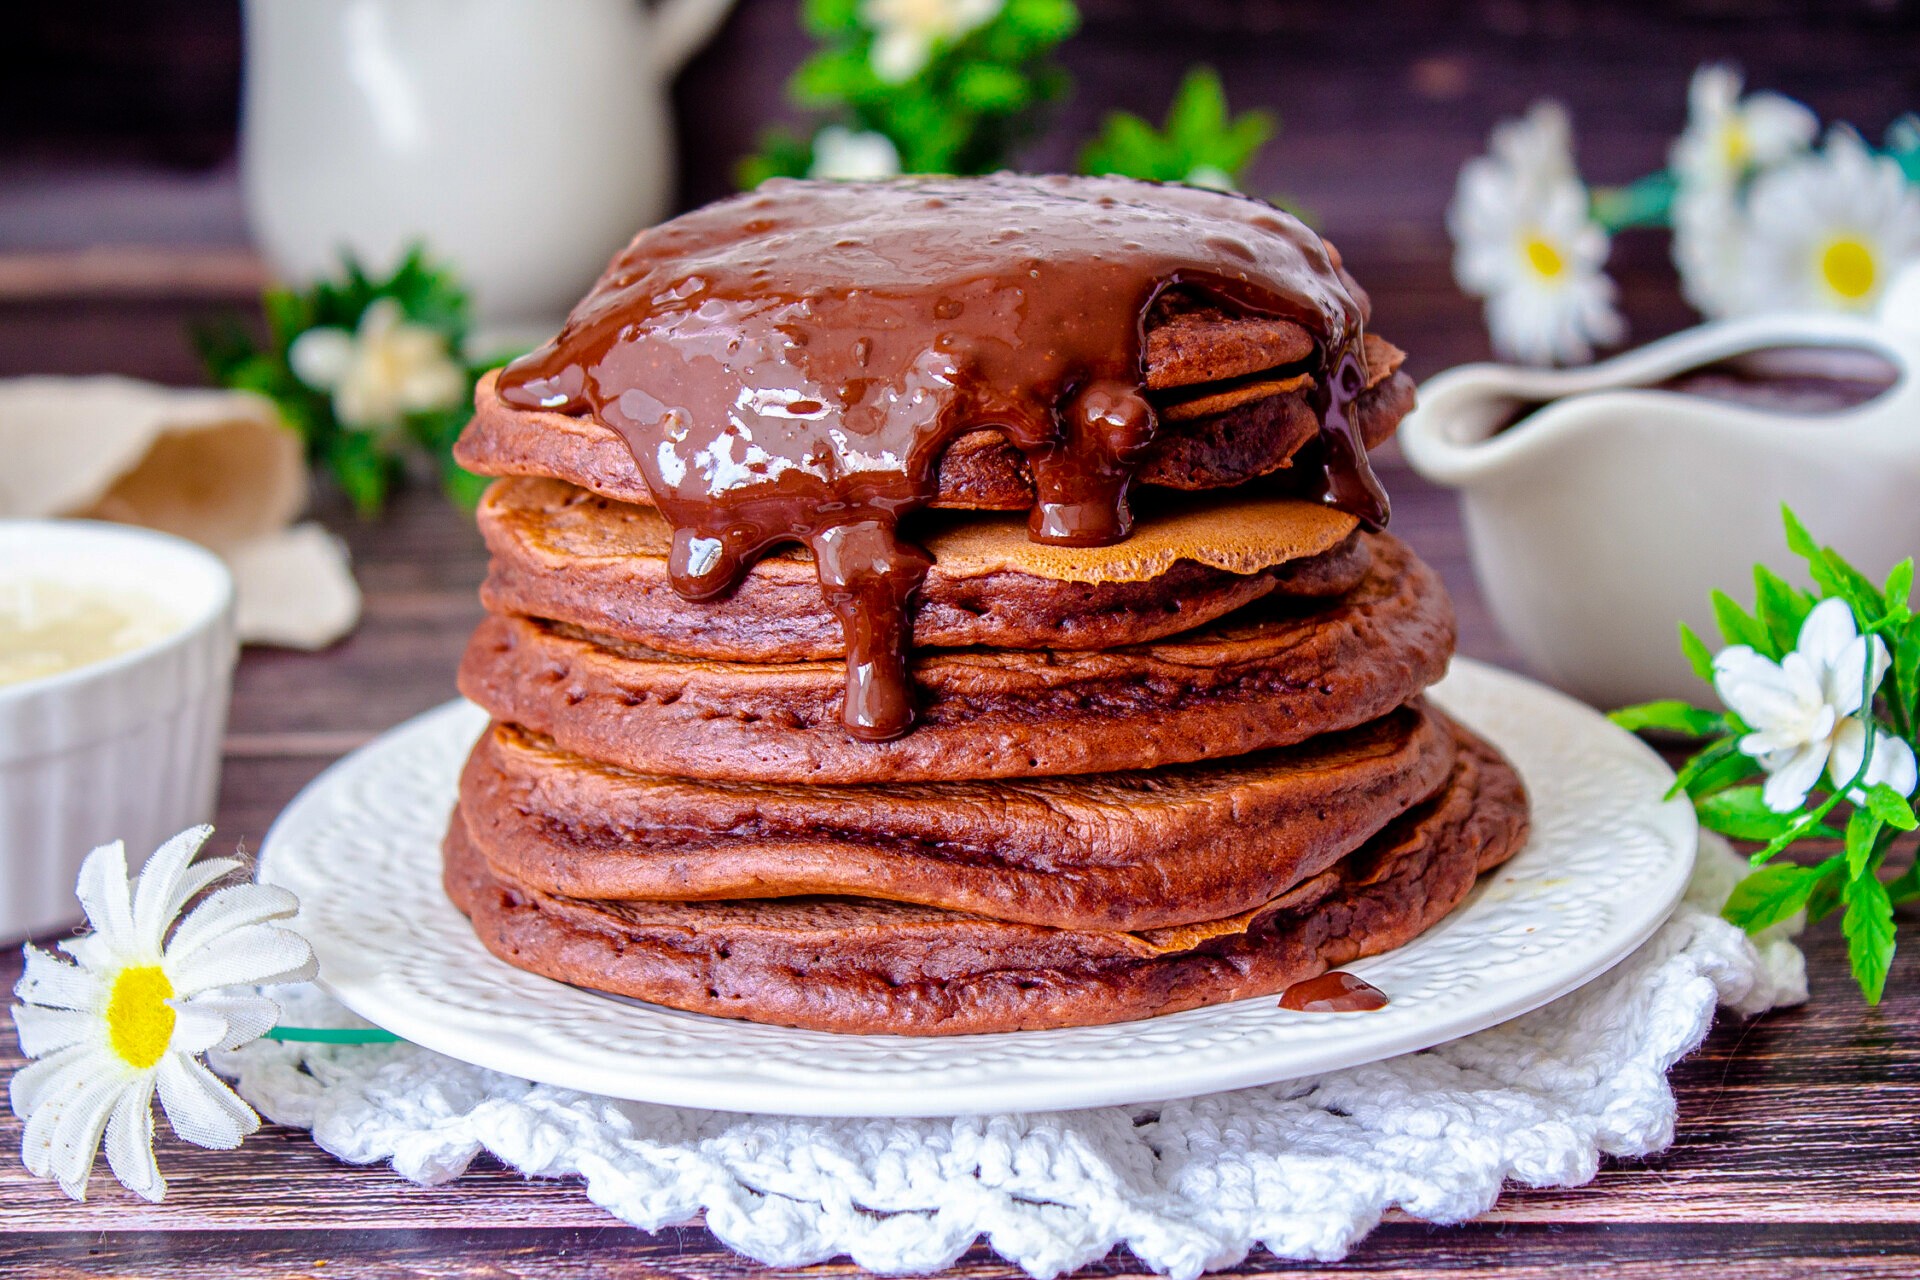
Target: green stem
(332,1035)
(1644,202)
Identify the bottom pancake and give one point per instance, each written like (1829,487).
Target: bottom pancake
(864,966)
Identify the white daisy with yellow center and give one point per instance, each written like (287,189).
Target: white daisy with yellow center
(906,32)
(1729,137)
(138,1007)
(383,369)
(1727,140)
(1829,231)
(1525,240)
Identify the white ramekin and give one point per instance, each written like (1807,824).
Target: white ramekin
(126,749)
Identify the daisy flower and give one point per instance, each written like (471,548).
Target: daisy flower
(853,155)
(132,1015)
(1806,714)
(1728,137)
(1709,250)
(384,369)
(1525,240)
(1830,230)
(906,32)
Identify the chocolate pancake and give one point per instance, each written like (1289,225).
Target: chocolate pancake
(567,555)
(797,364)
(1137,850)
(858,965)
(1272,675)
(1215,434)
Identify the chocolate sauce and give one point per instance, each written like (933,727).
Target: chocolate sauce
(1335,991)
(789,366)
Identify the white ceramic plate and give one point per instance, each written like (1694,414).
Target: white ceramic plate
(1607,861)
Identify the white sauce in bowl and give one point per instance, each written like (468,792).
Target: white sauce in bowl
(48,626)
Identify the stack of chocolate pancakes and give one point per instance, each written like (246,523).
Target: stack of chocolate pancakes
(959,605)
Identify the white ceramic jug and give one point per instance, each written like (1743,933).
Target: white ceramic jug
(1606,515)
(524,141)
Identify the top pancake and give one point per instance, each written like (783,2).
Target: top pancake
(1226,417)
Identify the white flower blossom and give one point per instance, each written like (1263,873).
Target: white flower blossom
(1710,250)
(1728,137)
(383,370)
(906,32)
(853,155)
(1525,240)
(1807,714)
(138,1007)
(1830,230)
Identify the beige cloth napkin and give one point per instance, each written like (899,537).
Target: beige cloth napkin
(217,467)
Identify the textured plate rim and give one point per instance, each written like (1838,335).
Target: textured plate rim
(520,1042)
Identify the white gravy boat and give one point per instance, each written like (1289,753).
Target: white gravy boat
(1607,514)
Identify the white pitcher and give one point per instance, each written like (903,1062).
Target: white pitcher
(524,141)
(1607,515)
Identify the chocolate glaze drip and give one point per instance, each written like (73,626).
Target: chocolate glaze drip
(1335,991)
(789,366)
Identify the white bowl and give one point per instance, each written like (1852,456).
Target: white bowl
(124,749)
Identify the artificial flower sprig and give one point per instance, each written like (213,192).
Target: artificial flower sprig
(952,86)
(1822,697)
(369,371)
(1202,143)
(918,86)
(143,996)
(147,993)
(1765,216)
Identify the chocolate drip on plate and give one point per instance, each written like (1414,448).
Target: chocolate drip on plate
(1336,991)
(789,365)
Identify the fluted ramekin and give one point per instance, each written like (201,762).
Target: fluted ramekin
(125,749)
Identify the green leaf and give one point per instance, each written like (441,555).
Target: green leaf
(1199,134)
(1698,655)
(1199,111)
(1043,23)
(1906,669)
(1772,894)
(1670,715)
(830,77)
(1868,926)
(1863,836)
(989,88)
(828,19)
(1740,627)
(1861,595)
(1799,541)
(1825,898)
(1742,813)
(363,471)
(1723,773)
(1899,588)
(1710,758)
(1781,608)
(1890,806)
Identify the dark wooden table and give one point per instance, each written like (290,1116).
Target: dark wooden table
(1799,1133)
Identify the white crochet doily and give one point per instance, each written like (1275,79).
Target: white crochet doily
(1304,1168)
